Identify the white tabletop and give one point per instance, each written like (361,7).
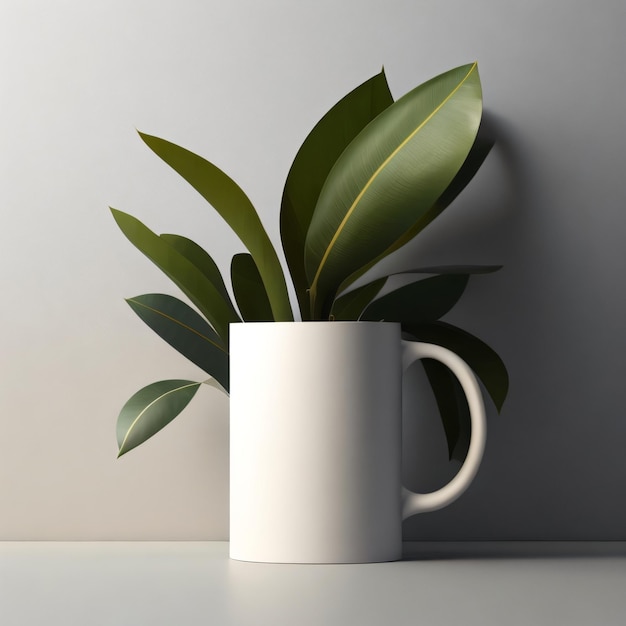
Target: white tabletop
(195,583)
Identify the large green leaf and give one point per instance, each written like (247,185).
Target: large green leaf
(314,160)
(184,330)
(389,175)
(229,200)
(202,260)
(193,283)
(477,155)
(423,301)
(150,409)
(482,359)
(249,290)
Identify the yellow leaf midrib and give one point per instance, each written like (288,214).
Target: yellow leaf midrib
(373,177)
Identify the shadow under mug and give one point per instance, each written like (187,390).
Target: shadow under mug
(315,441)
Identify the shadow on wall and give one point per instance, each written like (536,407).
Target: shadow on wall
(479,227)
(554,459)
(498,220)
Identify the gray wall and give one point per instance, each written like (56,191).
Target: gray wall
(242,83)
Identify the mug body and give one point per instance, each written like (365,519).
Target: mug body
(315,442)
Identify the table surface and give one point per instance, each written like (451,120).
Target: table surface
(195,583)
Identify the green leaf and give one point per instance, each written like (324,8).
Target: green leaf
(453,407)
(478,153)
(229,200)
(423,301)
(211,382)
(359,297)
(451,269)
(388,177)
(476,157)
(202,260)
(184,330)
(192,282)
(482,359)
(311,166)
(150,409)
(350,306)
(249,291)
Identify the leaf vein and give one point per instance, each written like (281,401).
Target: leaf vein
(176,321)
(380,168)
(141,414)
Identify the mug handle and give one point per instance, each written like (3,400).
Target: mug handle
(413,503)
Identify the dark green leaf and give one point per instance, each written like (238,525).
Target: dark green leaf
(229,200)
(202,260)
(350,306)
(482,359)
(184,330)
(451,269)
(312,164)
(388,177)
(422,301)
(249,290)
(211,382)
(193,283)
(359,297)
(453,407)
(150,409)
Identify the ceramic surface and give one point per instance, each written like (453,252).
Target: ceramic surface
(315,444)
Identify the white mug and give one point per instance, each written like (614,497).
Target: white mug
(315,441)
